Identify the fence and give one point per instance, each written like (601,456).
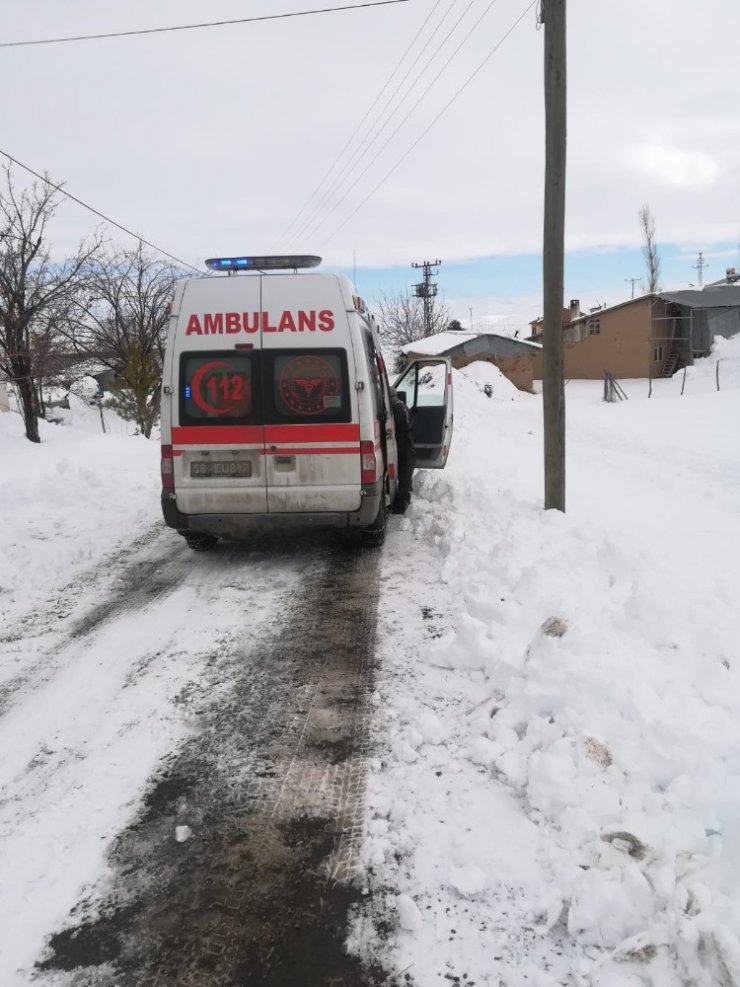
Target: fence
(612,389)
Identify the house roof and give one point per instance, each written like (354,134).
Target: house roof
(721,296)
(449,340)
(566,318)
(440,342)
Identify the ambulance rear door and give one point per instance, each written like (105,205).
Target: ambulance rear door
(218,435)
(312,431)
(426,388)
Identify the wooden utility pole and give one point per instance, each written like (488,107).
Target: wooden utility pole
(553,391)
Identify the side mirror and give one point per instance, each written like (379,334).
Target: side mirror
(401,395)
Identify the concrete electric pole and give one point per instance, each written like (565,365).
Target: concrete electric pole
(553,390)
(633,282)
(427,290)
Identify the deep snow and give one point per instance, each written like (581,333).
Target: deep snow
(555,793)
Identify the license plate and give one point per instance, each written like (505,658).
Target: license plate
(221,468)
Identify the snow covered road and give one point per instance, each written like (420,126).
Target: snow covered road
(230,688)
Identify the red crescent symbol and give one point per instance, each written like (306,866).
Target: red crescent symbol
(198,397)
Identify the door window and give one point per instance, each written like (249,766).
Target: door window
(280,387)
(424,388)
(424,385)
(306,386)
(217,387)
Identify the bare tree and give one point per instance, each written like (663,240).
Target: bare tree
(401,320)
(650,250)
(123,324)
(35,292)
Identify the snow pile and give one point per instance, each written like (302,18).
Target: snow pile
(69,500)
(491,381)
(722,367)
(560,789)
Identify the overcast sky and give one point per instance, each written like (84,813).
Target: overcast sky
(212,142)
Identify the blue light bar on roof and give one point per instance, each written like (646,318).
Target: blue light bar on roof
(275,263)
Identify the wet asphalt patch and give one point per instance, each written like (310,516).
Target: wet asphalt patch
(271,789)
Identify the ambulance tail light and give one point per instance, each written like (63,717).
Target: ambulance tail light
(168,472)
(368,465)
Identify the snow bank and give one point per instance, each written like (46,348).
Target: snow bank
(570,691)
(69,500)
(490,380)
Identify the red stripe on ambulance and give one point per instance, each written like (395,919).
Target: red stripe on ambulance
(313,451)
(207,435)
(217,435)
(312,433)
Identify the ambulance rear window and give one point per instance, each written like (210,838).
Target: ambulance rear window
(217,386)
(306,385)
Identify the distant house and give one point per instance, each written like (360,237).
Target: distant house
(651,336)
(569,314)
(515,358)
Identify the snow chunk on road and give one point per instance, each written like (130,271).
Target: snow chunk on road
(467,881)
(409,916)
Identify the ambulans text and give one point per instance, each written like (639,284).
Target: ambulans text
(218,323)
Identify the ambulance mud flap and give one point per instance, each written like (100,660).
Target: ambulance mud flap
(374,533)
(172,517)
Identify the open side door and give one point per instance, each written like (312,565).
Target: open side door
(425,386)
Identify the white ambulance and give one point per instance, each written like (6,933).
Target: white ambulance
(275,405)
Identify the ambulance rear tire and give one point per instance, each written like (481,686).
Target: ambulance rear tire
(200,543)
(375,534)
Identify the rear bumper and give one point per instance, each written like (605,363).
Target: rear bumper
(240,525)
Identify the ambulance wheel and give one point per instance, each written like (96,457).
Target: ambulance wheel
(200,543)
(375,533)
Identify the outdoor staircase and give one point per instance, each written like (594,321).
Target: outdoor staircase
(671,364)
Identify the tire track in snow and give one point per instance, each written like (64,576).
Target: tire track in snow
(78,750)
(125,583)
(272,789)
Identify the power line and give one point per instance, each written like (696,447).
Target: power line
(60,188)
(426,130)
(351,165)
(317,226)
(444,68)
(194,27)
(296,221)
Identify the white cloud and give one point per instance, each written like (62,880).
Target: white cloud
(212,141)
(677,167)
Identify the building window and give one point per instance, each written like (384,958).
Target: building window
(658,354)
(594,327)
